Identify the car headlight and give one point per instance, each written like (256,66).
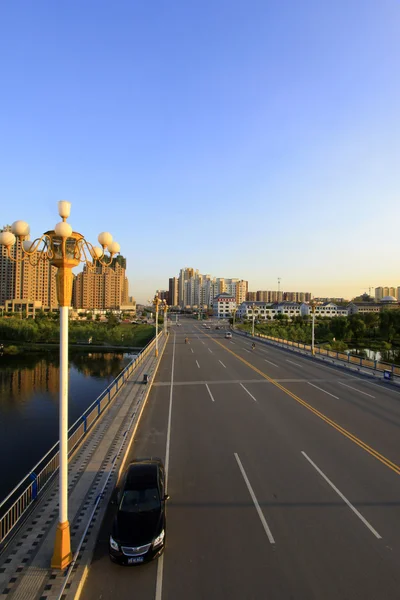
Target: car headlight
(159,539)
(113,543)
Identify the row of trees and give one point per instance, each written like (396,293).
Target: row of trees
(48,331)
(383,326)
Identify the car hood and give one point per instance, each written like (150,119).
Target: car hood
(136,529)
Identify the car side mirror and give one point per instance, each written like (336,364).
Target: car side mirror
(166,497)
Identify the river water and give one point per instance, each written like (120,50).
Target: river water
(29,404)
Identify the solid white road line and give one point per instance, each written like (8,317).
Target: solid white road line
(339,493)
(378,385)
(160,564)
(318,388)
(197,363)
(271,363)
(355,389)
(293,363)
(253,497)
(211,396)
(210,350)
(246,390)
(222,363)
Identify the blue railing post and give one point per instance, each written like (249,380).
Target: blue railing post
(98,407)
(33,478)
(84,419)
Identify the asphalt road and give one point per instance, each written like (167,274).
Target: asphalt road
(283,477)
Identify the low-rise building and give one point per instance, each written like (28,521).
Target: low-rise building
(28,308)
(363,308)
(224,305)
(326,309)
(268,310)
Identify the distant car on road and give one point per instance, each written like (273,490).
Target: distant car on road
(228,335)
(138,530)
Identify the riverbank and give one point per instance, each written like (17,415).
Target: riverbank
(27,335)
(18,348)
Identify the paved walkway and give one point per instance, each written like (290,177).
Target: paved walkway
(25,572)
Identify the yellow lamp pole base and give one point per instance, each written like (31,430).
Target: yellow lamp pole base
(62,555)
(156,353)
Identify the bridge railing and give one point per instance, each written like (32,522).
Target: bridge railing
(20,499)
(387,369)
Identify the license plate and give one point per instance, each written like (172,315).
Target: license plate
(134,560)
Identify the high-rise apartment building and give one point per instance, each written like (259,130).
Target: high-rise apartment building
(104,287)
(278,296)
(184,275)
(173,291)
(381,292)
(197,290)
(23,280)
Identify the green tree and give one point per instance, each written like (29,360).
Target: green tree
(339,327)
(358,326)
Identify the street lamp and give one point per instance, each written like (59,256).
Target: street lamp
(64,249)
(233,317)
(156,302)
(165,308)
(313,305)
(253,306)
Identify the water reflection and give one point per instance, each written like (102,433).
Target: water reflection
(29,403)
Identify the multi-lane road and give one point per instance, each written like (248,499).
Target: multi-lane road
(283,476)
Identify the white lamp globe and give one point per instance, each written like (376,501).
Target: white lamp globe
(63,229)
(97,252)
(105,239)
(7,238)
(114,248)
(20,228)
(27,245)
(64,209)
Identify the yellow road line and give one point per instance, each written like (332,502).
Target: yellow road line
(388,463)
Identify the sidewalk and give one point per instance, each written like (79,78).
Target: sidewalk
(25,572)
(347,366)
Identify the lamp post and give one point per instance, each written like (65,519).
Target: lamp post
(165,309)
(156,302)
(64,249)
(252,330)
(313,305)
(233,317)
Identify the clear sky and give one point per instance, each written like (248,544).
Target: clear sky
(254,139)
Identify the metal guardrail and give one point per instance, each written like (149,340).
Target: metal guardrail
(367,363)
(19,500)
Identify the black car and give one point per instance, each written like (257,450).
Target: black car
(138,531)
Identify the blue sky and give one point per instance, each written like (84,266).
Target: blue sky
(256,139)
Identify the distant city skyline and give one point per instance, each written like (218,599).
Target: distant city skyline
(257,139)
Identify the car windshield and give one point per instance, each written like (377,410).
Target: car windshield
(137,501)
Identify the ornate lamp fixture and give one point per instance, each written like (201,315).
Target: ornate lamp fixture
(156,303)
(64,249)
